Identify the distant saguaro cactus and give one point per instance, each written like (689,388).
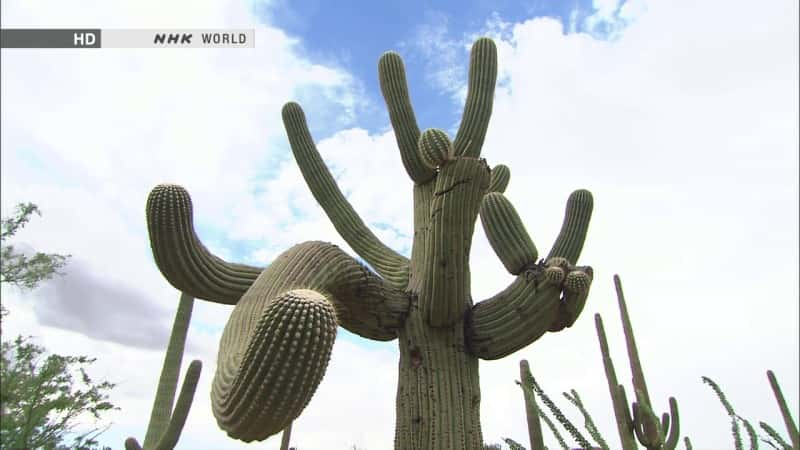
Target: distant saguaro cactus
(166,423)
(275,347)
(640,422)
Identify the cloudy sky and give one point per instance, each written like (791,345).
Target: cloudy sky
(680,116)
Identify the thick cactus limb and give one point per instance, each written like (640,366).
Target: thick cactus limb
(263,385)
(392,77)
(533,304)
(506,233)
(389,264)
(168,382)
(569,242)
(480,96)
(445,293)
(791,428)
(182,258)
(617,392)
(531,409)
(275,346)
(501,175)
(517,316)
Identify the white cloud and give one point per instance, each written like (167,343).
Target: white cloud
(684,127)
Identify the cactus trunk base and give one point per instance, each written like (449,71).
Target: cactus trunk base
(438,393)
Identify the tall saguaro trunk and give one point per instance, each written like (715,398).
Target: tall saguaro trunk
(276,345)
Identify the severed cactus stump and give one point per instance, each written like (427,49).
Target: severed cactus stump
(276,345)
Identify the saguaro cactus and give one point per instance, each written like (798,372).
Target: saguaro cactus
(276,344)
(166,424)
(639,422)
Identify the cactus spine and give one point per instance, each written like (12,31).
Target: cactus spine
(166,423)
(424,301)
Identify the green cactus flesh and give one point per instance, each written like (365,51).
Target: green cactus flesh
(294,336)
(267,373)
(435,148)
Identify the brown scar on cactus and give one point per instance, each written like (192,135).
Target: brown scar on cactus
(425,300)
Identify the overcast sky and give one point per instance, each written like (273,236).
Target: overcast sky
(680,116)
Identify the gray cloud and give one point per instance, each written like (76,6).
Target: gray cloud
(83,301)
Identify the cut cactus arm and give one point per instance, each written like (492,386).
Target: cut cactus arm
(388,263)
(480,96)
(183,259)
(392,77)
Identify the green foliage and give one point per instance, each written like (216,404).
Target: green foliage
(18,269)
(560,417)
(575,399)
(737,437)
(41,400)
(512,444)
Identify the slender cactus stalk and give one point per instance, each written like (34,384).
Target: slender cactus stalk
(640,422)
(285,437)
(531,409)
(166,423)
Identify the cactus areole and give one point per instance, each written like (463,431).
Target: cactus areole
(275,347)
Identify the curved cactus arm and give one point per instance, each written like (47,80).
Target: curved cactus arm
(480,96)
(177,420)
(791,428)
(617,392)
(389,264)
(673,437)
(165,393)
(501,175)
(394,87)
(506,233)
(277,342)
(531,409)
(521,313)
(647,425)
(546,296)
(183,259)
